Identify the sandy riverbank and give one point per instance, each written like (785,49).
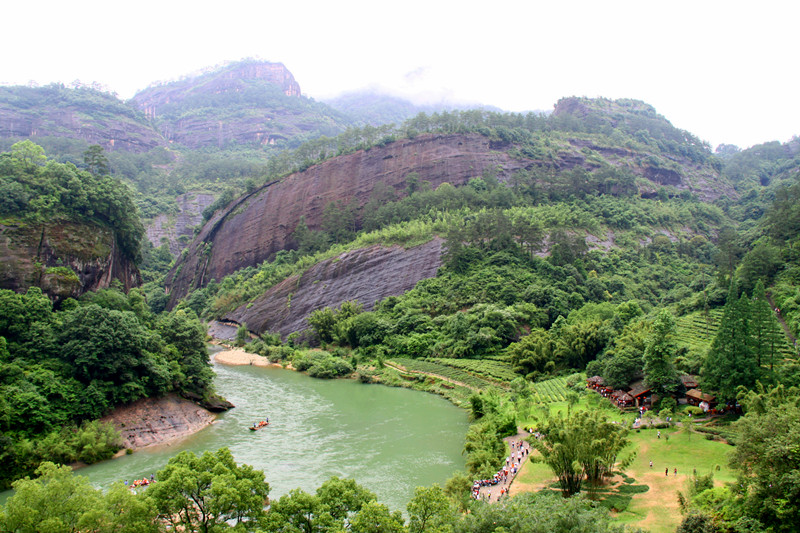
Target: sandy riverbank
(239,357)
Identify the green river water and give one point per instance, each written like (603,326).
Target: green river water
(390,440)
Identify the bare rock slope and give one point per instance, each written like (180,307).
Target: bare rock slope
(367,275)
(151,421)
(256,226)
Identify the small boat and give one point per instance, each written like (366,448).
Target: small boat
(260,425)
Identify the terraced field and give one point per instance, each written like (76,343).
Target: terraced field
(552,390)
(696,332)
(448,372)
(492,370)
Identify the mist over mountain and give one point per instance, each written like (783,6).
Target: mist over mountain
(376,107)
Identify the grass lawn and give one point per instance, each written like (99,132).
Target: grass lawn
(657,509)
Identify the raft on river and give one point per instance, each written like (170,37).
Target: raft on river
(260,425)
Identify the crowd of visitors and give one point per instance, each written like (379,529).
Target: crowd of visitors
(487,489)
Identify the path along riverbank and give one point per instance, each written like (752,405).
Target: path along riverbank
(518,452)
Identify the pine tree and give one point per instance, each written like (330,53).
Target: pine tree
(730,361)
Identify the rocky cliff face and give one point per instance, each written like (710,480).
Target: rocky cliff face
(254,227)
(367,275)
(152,421)
(65,259)
(85,114)
(173,227)
(244,103)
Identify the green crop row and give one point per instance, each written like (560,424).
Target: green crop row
(697,331)
(492,370)
(552,390)
(422,365)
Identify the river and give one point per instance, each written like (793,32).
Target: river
(390,440)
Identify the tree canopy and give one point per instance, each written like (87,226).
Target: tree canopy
(37,190)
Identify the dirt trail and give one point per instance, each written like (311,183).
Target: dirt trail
(786,329)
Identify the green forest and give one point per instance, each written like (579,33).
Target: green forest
(547,278)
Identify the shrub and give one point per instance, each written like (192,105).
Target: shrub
(321,364)
(633,489)
(330,367)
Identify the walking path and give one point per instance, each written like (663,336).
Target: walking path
(782,322)
(518,451)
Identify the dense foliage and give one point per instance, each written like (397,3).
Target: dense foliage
(37,190)
(766,495)
(551,272)
(212,493)
(59,369)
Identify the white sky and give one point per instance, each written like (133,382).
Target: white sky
(726,71)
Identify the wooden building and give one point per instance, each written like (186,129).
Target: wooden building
(700,399)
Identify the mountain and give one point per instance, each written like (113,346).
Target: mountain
(244,103)
(251,103)
(82,113)
(255,227)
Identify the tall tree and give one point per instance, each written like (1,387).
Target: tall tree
(766,457)
(429,511)
(96,161)
(581,446)
(659,372)
(206,493)
(375,517)
(730,360)
(765,330)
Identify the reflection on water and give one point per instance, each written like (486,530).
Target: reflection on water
(390,440)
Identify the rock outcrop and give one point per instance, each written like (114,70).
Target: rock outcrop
(254,227)
(65,259)
(89,115)
(175,227)
(366,275)
(151,421)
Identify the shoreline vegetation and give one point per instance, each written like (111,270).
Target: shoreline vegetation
(239,357)
(164,421)
(629,505)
